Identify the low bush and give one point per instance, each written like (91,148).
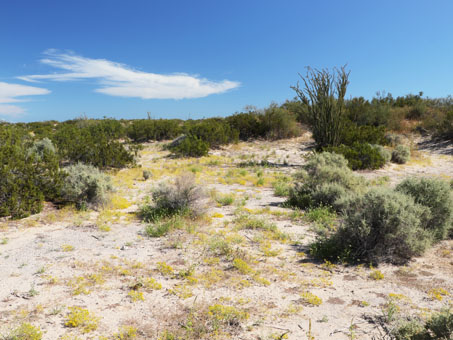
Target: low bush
(401,154)
(162,228)
(147,174)
(278,123)
(360,156)
(85,186)
(324,179)
(191,146)
(40,147)
(183,196)
(213,131)
(379,226)
(249,125)
(92,142)
(385,154)
(25,331)
(438,327)
(145,130)
(435,195)
(352,133)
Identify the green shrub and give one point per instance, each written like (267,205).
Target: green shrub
(85,186)
(25,331)
(379,226)
(39,148)
(417,111)
(183,196)
(145,130)
(323,180)
(360,156)
(162,228)
(385,154)
(213,131)
(281,187)
(401,154)
(435,195)
(26,178)
(438,327)
(191,146)
(92,142)
(278,123)
(147,174)
(249,125)
(352,133)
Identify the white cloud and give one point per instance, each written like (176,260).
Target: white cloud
(11,93)
(121,80)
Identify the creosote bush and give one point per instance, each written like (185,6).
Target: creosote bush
(28,175)
(361,155)
(401,154)
(191,146)
(435,195)
(380,226)
(85,186)
(183,196)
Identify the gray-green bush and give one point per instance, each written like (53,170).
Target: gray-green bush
(435,195)
(438,327)
(323,180)
(85,186)
(385,154)
(379,226)
(401,154)
(183,196)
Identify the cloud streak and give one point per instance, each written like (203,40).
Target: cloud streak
(116,79)
(12,93)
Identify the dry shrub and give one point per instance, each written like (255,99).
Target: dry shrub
(183,196)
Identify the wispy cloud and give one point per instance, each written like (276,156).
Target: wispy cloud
(118,79)
(14,93)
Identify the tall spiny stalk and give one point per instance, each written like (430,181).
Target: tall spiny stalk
(323,93)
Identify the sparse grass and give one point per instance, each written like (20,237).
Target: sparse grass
(224,200)
(25,331)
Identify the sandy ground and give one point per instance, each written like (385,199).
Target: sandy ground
(103,262)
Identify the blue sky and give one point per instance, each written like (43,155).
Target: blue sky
(181,59)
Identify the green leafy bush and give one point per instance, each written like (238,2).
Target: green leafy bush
(26,177)
(435,195)
(379,226)
(183,196)
(85,186)
(278,123)
(352,133)
(401,154)
(249,125)
(191,146)
(360,155)
(145,130)
(213,131)
(92,142)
